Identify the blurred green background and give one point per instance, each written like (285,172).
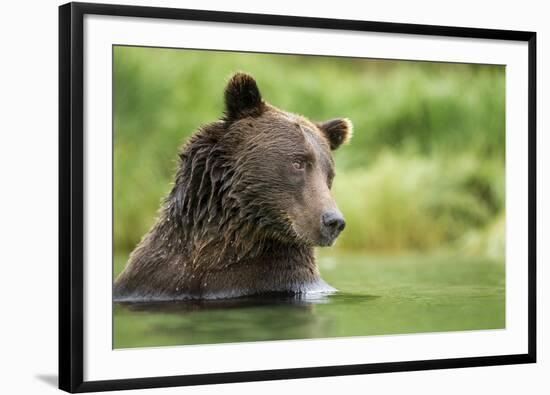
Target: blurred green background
(421,186)
(423,172)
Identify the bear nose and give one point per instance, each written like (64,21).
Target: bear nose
(334,221)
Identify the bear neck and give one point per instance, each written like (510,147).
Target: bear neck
(214,247)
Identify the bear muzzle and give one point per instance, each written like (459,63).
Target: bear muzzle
(332,223)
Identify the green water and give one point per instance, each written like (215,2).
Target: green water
(378,296)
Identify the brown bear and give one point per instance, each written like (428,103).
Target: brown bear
(250,200)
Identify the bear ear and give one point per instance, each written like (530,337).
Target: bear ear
(337,131)
(242,97)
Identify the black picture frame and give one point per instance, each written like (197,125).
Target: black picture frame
(71,197)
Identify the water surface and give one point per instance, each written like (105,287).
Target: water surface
(378,296)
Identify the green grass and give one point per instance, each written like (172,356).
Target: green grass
(405,202)
(424,170)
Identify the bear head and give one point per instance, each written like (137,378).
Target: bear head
(282,167)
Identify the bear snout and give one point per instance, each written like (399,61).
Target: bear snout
(332,223)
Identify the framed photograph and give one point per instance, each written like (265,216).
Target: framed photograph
(253,197)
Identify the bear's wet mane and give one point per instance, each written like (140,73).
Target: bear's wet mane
(205,212)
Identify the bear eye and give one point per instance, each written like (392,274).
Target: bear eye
(299,164)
